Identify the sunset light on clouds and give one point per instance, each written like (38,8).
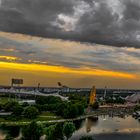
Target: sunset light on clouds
(26,54)
(70,41)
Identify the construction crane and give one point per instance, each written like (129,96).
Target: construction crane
(92,96)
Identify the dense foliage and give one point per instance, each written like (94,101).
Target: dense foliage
(54,132)
(18,110)
(9,106)
(32,132)
(68,129)
(57,131)
(30,112)
(73,108)
(47,100)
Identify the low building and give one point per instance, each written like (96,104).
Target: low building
(30,102)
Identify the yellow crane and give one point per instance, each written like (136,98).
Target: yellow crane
(92,96)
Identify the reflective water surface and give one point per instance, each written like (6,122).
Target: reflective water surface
(108,128)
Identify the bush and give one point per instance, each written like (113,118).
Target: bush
(17,110)
(31,112)
(9,106)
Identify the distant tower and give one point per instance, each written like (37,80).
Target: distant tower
(38,86)
(92,96)
(105,92)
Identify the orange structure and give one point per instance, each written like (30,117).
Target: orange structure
(92,96)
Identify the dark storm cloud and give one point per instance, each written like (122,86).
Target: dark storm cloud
(110,22)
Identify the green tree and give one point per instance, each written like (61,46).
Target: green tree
(9,106)
(31,112)
(49,131)
(59,131)
(68,129)
(17,110)
(60,109)
(80,108)
(32,132)
(54,132)
(71,111)
(48,100)
(86,138)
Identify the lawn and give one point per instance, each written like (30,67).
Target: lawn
(4,100)
(47,114)
(39,118)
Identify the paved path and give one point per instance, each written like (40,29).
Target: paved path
(43,122)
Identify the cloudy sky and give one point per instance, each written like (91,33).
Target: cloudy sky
(78,42)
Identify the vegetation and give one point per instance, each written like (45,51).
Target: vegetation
(73,110)
(68,129)
(32,132)
(42,110)
(48,100)
(50,132)
(30,112)
(70,109)
(9,106)
(54,132)
(5,99)
(18,110)
(57,131)
(8,137)
(95,106)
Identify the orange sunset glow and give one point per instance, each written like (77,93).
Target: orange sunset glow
(69,61)
(60,69)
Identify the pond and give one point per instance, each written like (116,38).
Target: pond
(108,128)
